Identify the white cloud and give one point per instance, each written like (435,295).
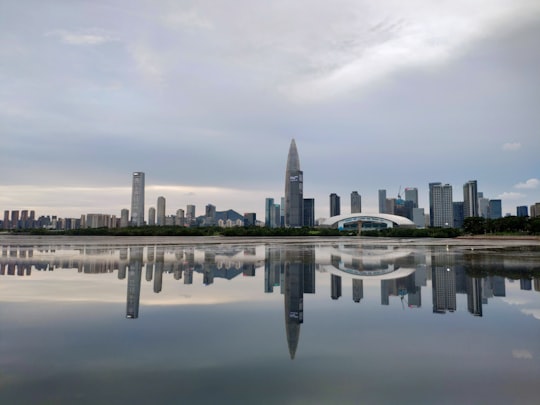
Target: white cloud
(89,37)
(511,196)
(511,146)
(535,312)
(408,37)
(529,184)
(187,19)
(521,354)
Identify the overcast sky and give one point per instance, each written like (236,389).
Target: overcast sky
(205,97)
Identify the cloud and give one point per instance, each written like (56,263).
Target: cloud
(529,184)
(511,146)
(532,311)
(187,19)
(363,52)
(511,196)
(521,354)
(89,37)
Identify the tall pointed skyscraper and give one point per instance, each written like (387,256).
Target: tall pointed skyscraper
(294,194)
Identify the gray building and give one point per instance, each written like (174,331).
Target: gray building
(294,193)
(335,205)
(356,202)
(411,194)
(441,206)
(137,199)
(190,215)
(470,199)
(180,217)
(124,218)
(160,218)
(151,216)
(382,201)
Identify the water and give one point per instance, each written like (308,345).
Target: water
(288,321)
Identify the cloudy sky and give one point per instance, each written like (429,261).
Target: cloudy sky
(205,97)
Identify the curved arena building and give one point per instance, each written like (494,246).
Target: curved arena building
(368,221)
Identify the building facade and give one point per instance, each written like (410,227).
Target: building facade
(137,199)
(309,212)
(470,199)
(441,206)
(160,215)
(294,189)
(335,205)
(356,202)
(382,201)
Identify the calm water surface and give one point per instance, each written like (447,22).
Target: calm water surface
(288,321)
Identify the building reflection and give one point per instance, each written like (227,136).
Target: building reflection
(397,273)
(134,281)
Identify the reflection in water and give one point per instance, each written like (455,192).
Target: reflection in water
(292,269)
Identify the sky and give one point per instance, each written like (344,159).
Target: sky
(205,97)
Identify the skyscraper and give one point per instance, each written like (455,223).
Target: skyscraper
(495,209)
(356,202)
(268,207)
(382,201)
(160,219)
(335,205)
(441,207)
(309,212)
(294,193)
(190,215)
(411,194)
(151,216)
(470,199)
(137,199)
(431,187)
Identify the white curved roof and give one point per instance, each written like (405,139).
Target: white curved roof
(365,216)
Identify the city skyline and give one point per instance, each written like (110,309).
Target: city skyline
(388,96)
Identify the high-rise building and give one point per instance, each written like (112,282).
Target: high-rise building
(124,218)
(458,214)
(180,217)
(210,215)
(495,209)
(534,210)
(382,201)
(190,215)
(522,211)
(5,224)
(309,212)
(441,207)
(160,218)
(268,208)
(15,219)
(483,206)
(411,194)
(151,216)
(431,187)
(356,202)
(294,193)
(250,219)
(335,205)
(137,199)
(470,199)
